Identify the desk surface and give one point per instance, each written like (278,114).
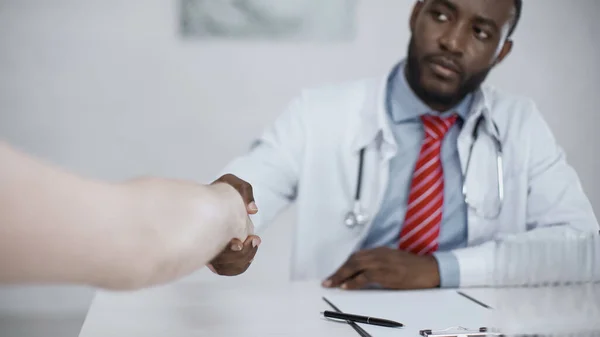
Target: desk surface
(228,309)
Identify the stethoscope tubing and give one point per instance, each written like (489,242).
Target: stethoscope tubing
(353,215)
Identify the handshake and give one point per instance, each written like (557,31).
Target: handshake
(237,256)
(385,267)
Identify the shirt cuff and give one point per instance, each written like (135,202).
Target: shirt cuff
(448,268)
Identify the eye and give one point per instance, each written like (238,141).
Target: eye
(439,16)
(481,34)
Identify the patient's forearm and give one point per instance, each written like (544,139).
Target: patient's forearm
(54,226)
(193,224)
(57,227)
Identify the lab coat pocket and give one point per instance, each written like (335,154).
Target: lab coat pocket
(500,211)
(512,218)
(496,199)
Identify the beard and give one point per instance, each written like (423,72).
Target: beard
(467,85)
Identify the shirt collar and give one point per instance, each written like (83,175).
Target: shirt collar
(403,104)
(375,113)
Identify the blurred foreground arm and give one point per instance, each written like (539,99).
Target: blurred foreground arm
(56,227)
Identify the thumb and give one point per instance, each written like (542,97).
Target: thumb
(252,208)
(256,240)
(248,196)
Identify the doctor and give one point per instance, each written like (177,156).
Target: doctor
(432,164)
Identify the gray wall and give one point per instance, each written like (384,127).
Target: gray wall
(107,89)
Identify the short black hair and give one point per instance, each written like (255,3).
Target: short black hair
(518,7)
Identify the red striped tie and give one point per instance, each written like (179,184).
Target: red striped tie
(423,218)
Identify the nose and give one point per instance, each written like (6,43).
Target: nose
(453,40)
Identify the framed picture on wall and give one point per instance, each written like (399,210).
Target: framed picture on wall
(295,20)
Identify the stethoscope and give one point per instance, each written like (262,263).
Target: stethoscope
(359,217)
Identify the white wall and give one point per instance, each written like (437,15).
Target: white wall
(107,89)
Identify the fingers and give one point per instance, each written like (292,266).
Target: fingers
(349,269)
(244,189)
(387,268)
(360,281)
(358,263)
(254,240)
(248,196)
(236,245)
(236,257)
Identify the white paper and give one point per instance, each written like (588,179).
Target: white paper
(417,310)
(558,310)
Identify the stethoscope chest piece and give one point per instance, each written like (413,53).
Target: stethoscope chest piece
(356,217)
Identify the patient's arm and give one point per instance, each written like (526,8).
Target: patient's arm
(56,227)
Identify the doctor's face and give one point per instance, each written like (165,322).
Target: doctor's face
(454,44)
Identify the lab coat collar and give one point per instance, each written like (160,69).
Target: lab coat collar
(373,125)
(482,107)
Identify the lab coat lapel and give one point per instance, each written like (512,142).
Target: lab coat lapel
(372,132)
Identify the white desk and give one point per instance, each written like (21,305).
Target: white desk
(228,309)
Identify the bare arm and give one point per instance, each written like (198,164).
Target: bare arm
(56,227)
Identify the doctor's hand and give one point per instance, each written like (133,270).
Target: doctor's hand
(237,256)
(388,268)
(243,188)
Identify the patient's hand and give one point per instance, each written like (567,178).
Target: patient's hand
(387,267)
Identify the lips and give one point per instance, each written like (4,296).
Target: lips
(446,63)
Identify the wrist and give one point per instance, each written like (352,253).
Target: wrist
(231,204)
(431,273)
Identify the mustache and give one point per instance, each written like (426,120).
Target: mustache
(447,60)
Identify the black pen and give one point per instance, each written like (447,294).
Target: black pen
(362,319)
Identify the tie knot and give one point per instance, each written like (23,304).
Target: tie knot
(436,127)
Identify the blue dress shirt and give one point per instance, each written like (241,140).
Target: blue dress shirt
(404,111)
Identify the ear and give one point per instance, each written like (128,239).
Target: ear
(415,14)
(504,51)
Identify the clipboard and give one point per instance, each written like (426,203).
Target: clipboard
(459,331)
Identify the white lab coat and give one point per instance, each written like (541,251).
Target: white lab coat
(310,156)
